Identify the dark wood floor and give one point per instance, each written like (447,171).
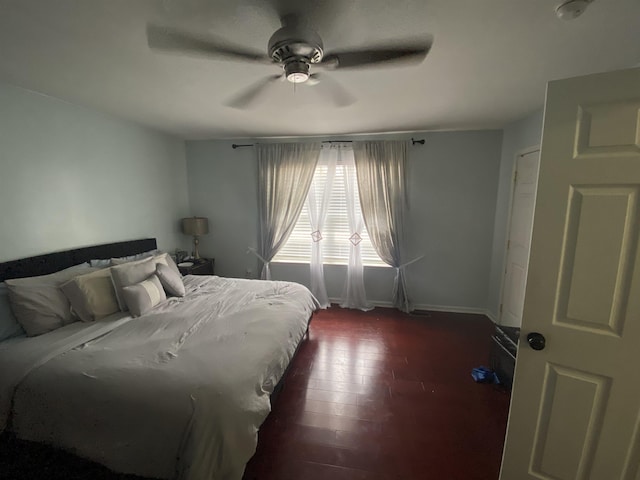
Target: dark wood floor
(384,395)
(376,395)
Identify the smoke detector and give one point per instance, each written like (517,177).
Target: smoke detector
(572,9)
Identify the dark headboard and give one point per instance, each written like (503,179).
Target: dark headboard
(53,262)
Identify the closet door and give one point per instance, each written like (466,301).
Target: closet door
(519,237)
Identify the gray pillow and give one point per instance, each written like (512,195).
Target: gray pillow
(129,274)
(170,280)
(92,296)
(9,326)
(38,303)
(143,296)
(172,264)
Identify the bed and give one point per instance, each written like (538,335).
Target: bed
(178,392)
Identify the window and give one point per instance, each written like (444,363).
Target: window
(336,233)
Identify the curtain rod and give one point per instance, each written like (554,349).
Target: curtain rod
(240,145)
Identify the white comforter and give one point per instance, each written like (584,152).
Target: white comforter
(177,393)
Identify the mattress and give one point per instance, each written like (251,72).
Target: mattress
(177,393)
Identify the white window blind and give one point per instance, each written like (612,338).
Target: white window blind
(335,235)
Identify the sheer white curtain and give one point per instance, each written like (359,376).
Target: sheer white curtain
(353,294)
(285,172)
(381,172)
(318,206)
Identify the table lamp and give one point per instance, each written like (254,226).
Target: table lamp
(195,226)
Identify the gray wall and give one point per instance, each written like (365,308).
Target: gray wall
(518,136)
(454,181)
(72,177)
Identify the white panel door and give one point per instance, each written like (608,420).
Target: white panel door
(519,238)
(575,411)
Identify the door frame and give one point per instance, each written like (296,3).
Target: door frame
(512,190)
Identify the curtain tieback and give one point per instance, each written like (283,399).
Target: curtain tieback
(316,236)
(255,252)
(409,262)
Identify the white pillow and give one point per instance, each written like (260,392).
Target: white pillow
(38,303)
(100,262)
(92,296)
(9,326)
(134,258)
(143,296)
(159,258)
(130,273)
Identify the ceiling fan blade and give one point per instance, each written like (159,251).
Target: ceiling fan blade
(408,52)
(313,80)
(248,96)
(339,95)
(172,40)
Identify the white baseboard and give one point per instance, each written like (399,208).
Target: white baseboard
(382,304)
(450,308)
(336,301)
(491,316)
(434,308)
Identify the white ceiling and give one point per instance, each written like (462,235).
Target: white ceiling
(489,64)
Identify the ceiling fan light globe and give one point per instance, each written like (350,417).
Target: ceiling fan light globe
(298,77)
(297,71)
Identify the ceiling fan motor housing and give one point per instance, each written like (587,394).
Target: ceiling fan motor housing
(295,48)
(291,42)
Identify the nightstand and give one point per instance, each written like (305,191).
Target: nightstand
(205,266)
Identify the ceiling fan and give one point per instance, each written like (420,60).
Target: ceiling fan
(296,48)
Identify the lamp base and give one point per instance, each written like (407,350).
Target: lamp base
(196,253)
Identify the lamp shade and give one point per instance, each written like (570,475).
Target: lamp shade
(195,226)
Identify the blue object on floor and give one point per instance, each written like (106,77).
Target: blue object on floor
(484,375)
